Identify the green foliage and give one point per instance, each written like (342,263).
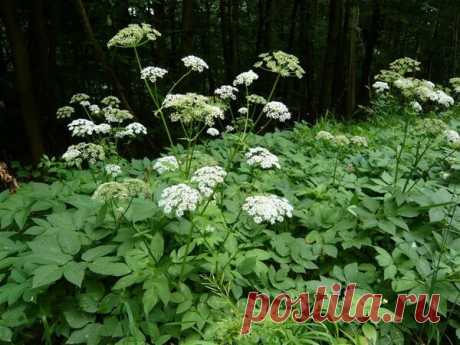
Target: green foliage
(78,270)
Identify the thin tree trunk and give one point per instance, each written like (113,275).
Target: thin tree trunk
(235,34)
(24,84)
(292,29)
(351,52)
(187,27)
(370,42)
(227,40)
(330,59)
(99,53)
(207,42)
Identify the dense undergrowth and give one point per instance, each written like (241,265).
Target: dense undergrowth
(86,271)
(106,250)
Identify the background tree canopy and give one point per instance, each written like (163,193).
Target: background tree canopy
(52,49)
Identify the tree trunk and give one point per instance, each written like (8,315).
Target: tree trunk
(99,53)
(351,58)
(207,42)
(225,9)
(187,27)
(309,99)
(330,59)
(24,84)
(370,40)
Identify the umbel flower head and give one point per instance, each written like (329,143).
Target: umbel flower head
(267,208)
(112,170)
(380,86)
(261,157)
(208,178)
(213,132)
(115,115)
(83,152)
(127,189)
(455,82)
(179,199)
(132,130)
(324,135)
(256,99)
(65,112)
(111,101)
(195,63)
(84,127)
(166,164)
(226,92)
(192,107)
(359,141)
(282,63)
(152,73)
(78,98)
(277,111)
(245,78)
(134,35)
(430,127)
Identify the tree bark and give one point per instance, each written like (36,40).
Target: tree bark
(187,27)
(99,53)
(371,38)
(330,59)
(24,83)
(351,58)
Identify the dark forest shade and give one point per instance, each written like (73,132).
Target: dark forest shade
(53,49)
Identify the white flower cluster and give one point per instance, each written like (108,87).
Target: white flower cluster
(261,157)
(381,86)
(111,101)
(324,135)
(115,115)
(195,63)
(277,111)
(132,130)
(65,112)
(416,106)
(245,78)
(113,170)
(80,98)
(133,35)
(455,82)
(193,107)
(179,199)
(243,111)
(77,154)
(279,62)
(256,99)
(341,140)
(267,208)
(213,132)
(226,92)
(94,109)
(84,127)
(208,178)
(152,73)
(166,164)
(453,138)
(359,141)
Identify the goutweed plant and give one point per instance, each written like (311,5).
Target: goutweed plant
(110,251)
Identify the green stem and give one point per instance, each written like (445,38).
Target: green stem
(149,89)
(399,154)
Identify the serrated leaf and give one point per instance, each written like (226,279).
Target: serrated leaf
(157,246)
(104,267)
(69,241)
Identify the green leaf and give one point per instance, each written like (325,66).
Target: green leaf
(77,319)
(104,267)
(46,275)
(157,246)
(247,265)
(6,334)
(149,300)
(141,209)
(436,214)
(389,272)
(370,333)
(384,258)
(69,241)
(74,272)
(90,335)
(98,252)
